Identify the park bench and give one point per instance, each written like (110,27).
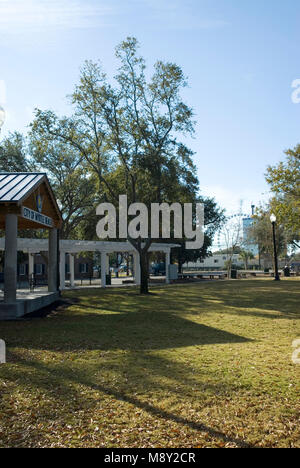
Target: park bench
(128,281)
(245,274)
(199,275)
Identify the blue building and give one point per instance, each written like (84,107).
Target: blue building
(248,245)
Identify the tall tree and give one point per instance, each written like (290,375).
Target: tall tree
(213,219)
(73,187)
(132,127)
(231,236)
(261,234)
(14,154)
(246,256)
(75,191)
(284,180)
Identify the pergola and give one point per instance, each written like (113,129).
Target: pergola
(73,247)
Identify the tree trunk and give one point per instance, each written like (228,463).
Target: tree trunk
(144,286)
(144,262)
(229,267)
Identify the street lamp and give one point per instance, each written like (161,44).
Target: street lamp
(273,221)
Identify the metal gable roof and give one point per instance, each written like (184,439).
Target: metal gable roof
(15,185)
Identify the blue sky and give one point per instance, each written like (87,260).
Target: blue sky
(240,57)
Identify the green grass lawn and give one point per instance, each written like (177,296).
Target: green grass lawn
(200,365)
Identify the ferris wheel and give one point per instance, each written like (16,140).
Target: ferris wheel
(233,225)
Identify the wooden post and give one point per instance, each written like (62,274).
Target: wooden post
(10,265)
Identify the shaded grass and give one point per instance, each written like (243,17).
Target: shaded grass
(207,364)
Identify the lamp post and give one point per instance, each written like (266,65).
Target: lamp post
(273,221)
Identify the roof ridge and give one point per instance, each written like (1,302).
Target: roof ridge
(21,173)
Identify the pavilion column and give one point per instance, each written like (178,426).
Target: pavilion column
(167,267)
(103,269)
(137,268)
(11,250)
(52,260)
(72,269)
(30,265)
(62,270)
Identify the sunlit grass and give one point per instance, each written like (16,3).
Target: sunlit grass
(206,364)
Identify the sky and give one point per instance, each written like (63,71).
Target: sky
(241,59)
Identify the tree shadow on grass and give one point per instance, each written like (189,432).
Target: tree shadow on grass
(263,299)
(63,382)
(132,331)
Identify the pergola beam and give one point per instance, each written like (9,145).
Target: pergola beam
(73,247)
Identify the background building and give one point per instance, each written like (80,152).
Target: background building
(247,244)
(218,262)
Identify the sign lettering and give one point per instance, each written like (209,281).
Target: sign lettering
(36,217)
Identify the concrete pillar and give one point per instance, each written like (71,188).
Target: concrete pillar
(72,269)
(2,352)
(103,269)
(52,261)
(167,267)
(107,264)
(10,268)
(30,265)
(62,270)
(137,268)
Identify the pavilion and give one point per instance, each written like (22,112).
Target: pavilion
(27,202)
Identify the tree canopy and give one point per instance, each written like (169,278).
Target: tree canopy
(128,135)
(14,154)
(261,234)
(284,180)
